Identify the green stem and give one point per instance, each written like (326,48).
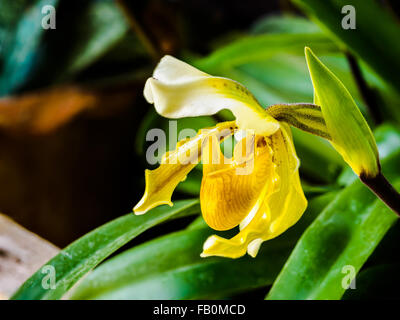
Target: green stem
(384,190)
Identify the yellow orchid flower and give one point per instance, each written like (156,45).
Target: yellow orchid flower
(260,190)
(264,201)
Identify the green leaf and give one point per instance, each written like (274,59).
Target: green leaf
(261,47)
(373,38)
(345,233)
(171,268)
(76,260)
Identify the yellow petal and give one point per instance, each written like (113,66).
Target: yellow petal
(179,90)
(230,190)
(288,203)
(175,165)
(280,205)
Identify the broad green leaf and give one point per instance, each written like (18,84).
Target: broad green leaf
(170,267)
(261,47)
(372,39)
(345,233)
(76,260)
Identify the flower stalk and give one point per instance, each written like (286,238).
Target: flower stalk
(384,190)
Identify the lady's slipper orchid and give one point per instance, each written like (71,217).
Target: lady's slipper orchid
(268,198)
(265,202)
